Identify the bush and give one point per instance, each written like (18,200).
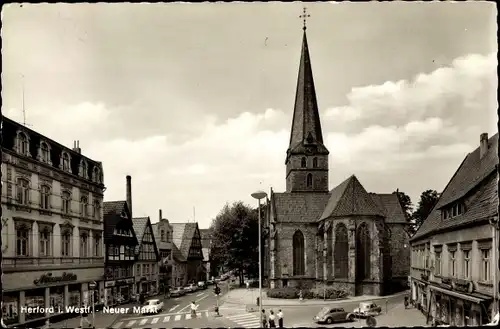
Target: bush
(284,293)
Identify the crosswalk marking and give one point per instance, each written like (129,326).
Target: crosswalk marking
(188,316)
(118,325)
(177,317)
(165,319)
(246,320)
(162,318)
(143,321)
(154,320)
(129,325)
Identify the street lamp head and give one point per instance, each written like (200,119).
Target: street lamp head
(259,195)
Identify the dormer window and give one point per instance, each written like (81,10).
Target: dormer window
(453,210)
(23,146)
(44,155)
(303,162)
(65,162)
(315,163)
(84,169)
(96,175)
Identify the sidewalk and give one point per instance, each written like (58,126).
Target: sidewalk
(249,297)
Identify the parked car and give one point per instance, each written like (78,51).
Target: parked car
(366,309)
(177,291)
(331,314)
(190,288)
(210,282)
(202,285)
(152,306)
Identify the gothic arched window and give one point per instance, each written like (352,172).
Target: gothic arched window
(65,161)
(341,255)
(23,145)
(44,152)
(309,180)
(303,162)
(315,163)
(84,169)
(363,247)
(298,254)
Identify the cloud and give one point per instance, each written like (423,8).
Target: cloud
(410,135)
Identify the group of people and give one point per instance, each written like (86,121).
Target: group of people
(270,321)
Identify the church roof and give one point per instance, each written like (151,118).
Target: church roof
(350,198)
(474,172)
(391,207)
(298,207)
(306,125)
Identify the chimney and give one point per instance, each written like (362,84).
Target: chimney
(483,145)
(160,215)
(129,194)
(76,147)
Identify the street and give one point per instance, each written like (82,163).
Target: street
(177,313)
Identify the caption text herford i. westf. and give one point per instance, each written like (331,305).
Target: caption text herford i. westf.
(80,310)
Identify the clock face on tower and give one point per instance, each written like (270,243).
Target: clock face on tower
(309,150)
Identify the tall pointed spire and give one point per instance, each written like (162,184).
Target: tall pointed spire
(306,125)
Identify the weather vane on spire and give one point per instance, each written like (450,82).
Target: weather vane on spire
(304,17)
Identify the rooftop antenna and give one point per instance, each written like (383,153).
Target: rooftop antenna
(194,214)
(23,107)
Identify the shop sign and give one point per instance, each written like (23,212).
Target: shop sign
(109,284)
(48,278)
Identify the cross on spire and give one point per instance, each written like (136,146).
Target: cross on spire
(304,17)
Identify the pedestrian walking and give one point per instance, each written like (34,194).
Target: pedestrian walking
(85,318)
(194,307)
(272,319)
(280,319)
(45,326)
(406,302)
(301,295)
(248,284)
(264,319)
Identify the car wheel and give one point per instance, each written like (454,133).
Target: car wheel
(329,321)
(351,317)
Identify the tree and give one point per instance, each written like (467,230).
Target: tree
(428,200)
(407,206)
(235,238)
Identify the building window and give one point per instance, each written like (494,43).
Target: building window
(303,162)
(66,244)
(467,263)
(298,254)
(45,197)
(44,152)
(84,169)
(138,269)
(162,235)
(453,263)
(23,191)
(97,210)
(66,202)
(97,245)
(84,245)
(438,262)
(22,144)
(84,204)
(44,243)
(309,180)
(315,163)
(96,175)
(485,265)
(22,240)
(65,162)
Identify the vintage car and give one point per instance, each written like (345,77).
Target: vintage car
(331,314)
(152,306)
(202,285)
(190,288)
(177,292)
(367,309)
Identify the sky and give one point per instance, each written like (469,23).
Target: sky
(195,101)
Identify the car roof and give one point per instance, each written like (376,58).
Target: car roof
(365,303)
(153,300)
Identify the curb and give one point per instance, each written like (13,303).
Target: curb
(276,302)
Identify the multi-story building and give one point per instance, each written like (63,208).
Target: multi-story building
(52,224)
(147,258)
(179,268)
(453,262)
(120,242)
(187,240)
(163,237)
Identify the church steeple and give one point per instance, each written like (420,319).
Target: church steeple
(307,157)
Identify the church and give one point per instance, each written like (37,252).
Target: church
(346,237)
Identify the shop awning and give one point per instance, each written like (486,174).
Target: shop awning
(457,294)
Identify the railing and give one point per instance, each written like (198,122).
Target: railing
(37,261)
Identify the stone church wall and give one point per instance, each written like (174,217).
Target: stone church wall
(400,255)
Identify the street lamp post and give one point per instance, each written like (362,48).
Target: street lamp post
(259,195)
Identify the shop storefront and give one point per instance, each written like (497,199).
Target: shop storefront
(43,290)
(118,291)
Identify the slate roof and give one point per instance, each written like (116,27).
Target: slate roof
(140,224)
(472,172)
(350,198)
(182,236)
(391,207)
(176,254)
(206,236)
(156,234)
(112,211)
(298,207)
